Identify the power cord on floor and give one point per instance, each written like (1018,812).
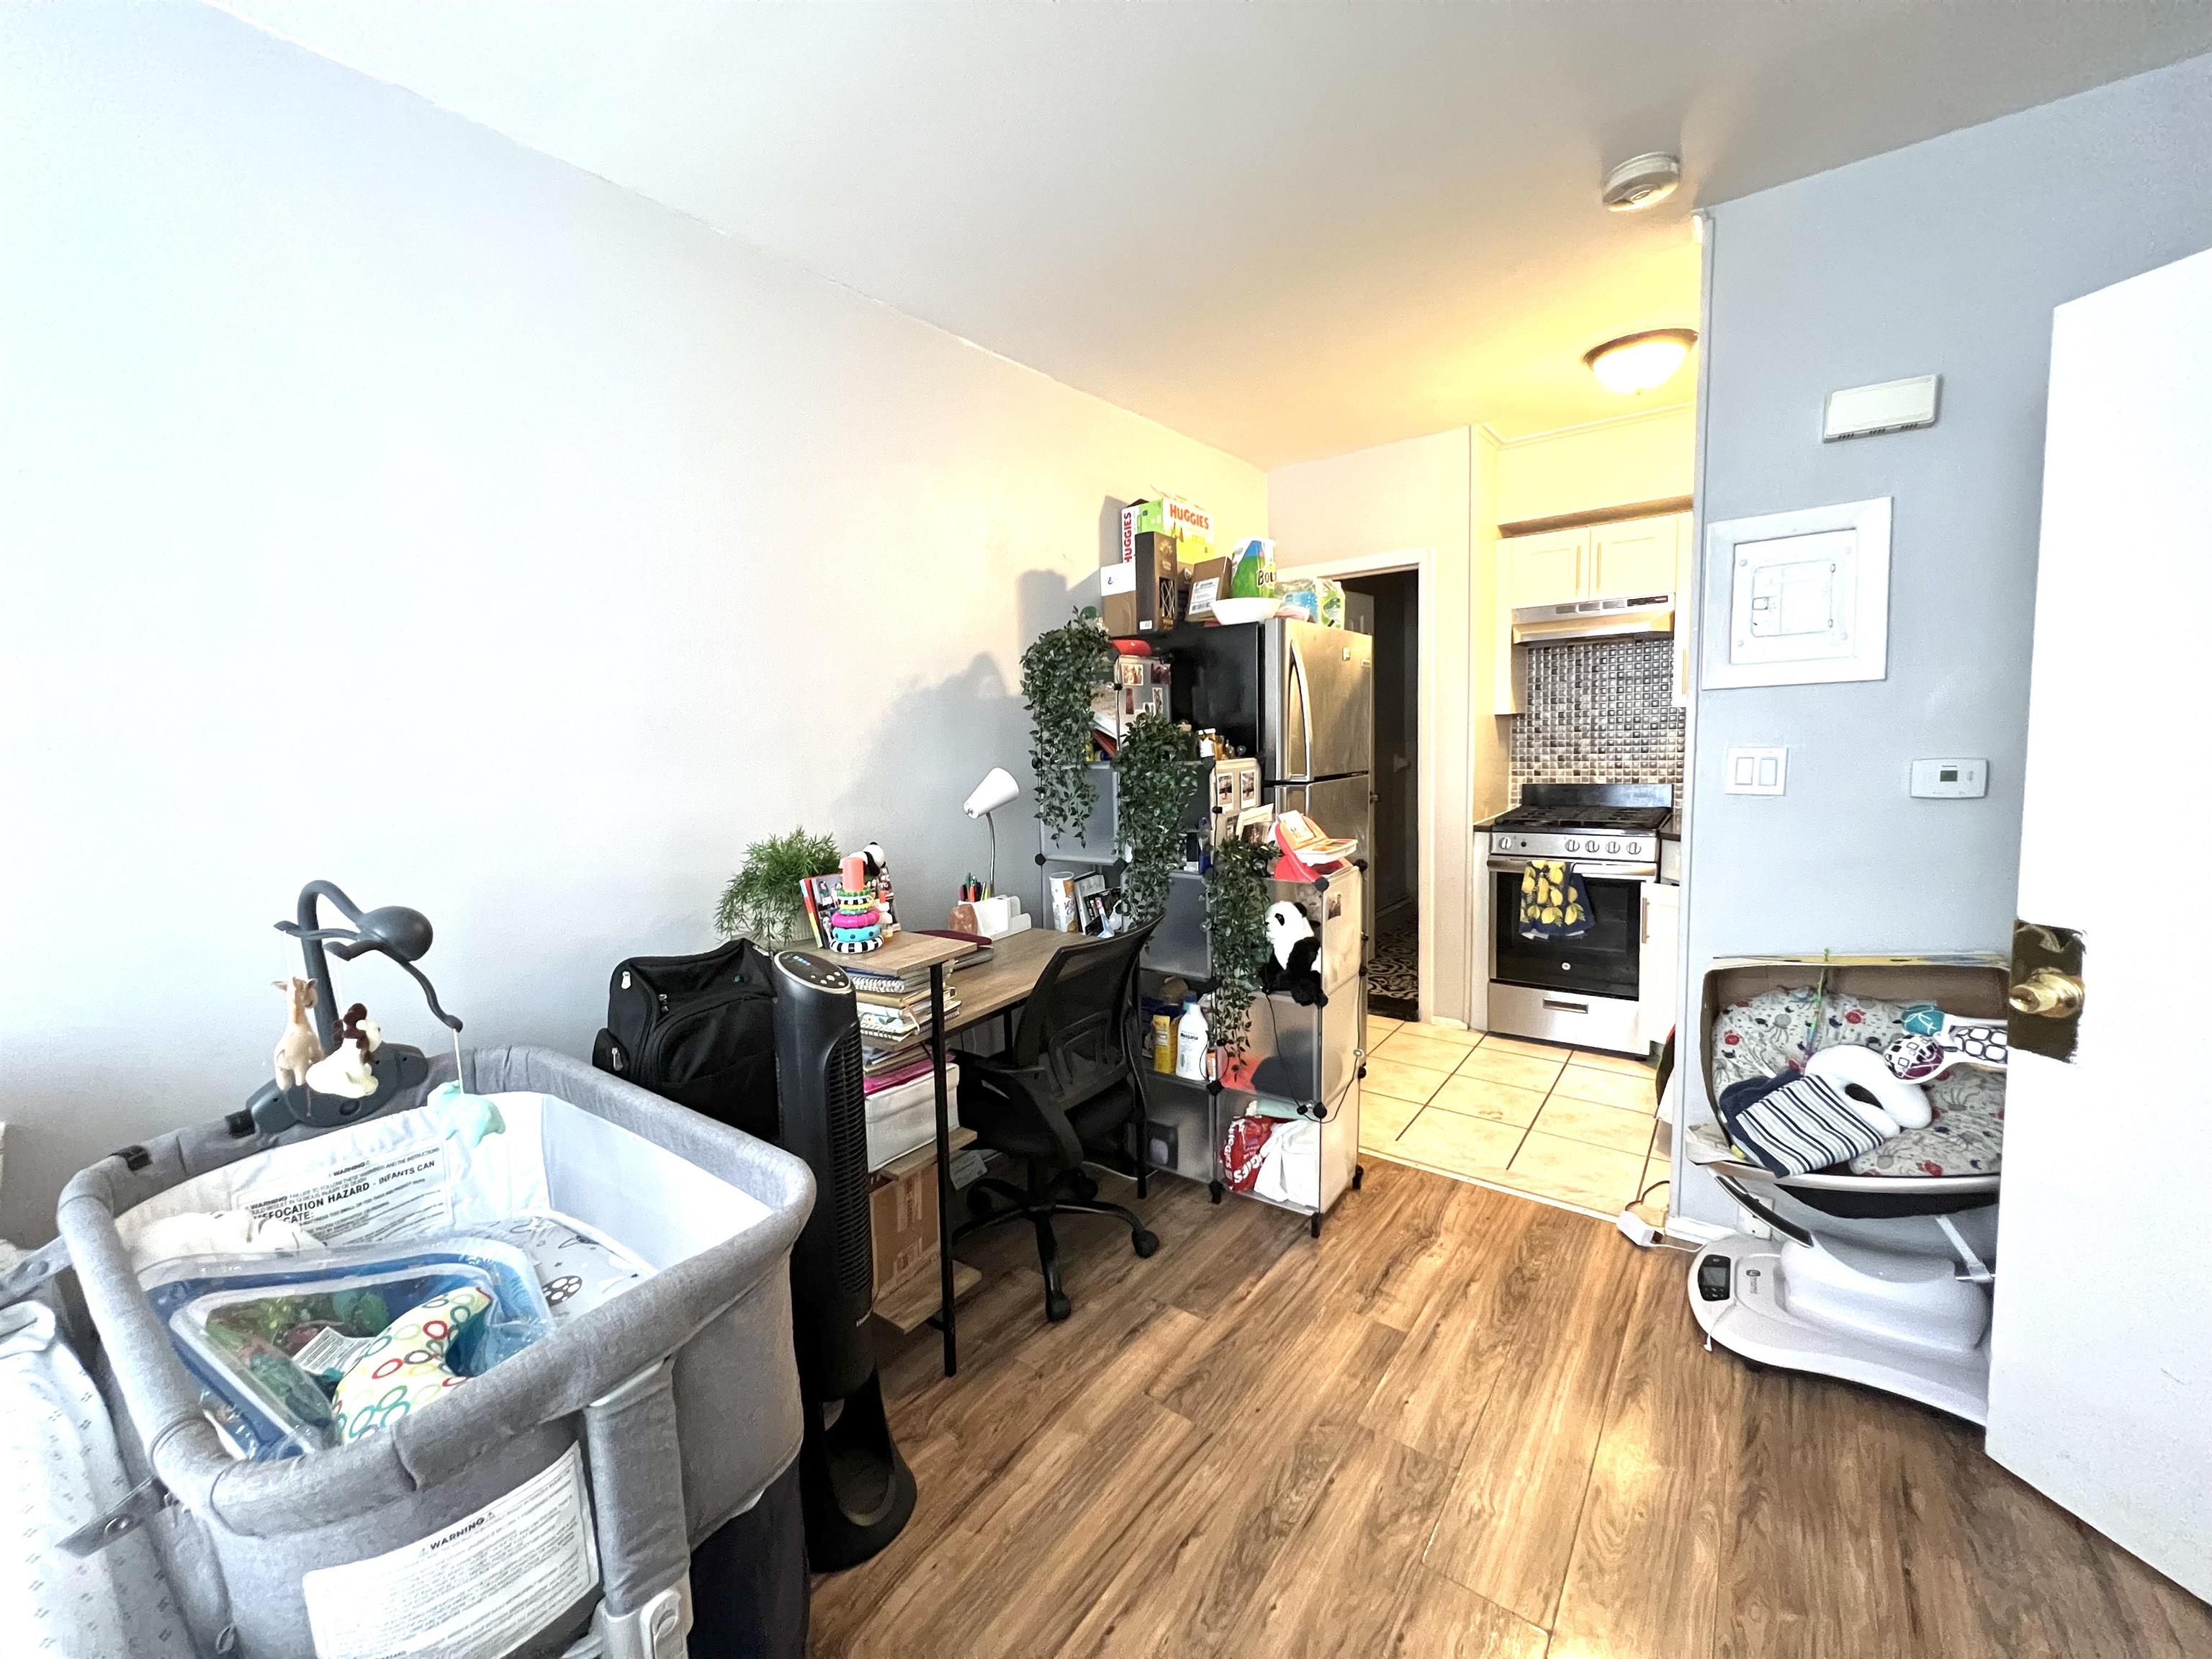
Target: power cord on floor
(1641,1233)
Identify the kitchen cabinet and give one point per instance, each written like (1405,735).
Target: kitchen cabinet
(1629,560)
(1657,975)
(1548,569)
(1626,559)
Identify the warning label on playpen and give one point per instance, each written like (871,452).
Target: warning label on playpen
(398,1195)
(477,1589)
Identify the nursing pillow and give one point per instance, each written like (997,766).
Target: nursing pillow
(1863,1076)
(406,1368)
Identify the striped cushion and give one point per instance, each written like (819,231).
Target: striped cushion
(1803,1125)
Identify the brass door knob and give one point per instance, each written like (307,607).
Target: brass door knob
(2046,993)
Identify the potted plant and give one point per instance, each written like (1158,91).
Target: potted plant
(1160,771)
(763,900)
(1239,888)
(1060,670)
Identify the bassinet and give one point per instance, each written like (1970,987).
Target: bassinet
(561,1492)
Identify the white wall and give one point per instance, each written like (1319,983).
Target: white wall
(1935,258)
(1431,493)
(387,502)
(1638,458)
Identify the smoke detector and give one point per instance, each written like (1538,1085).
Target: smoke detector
(1642,181)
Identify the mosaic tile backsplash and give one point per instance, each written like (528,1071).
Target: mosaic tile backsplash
(1601,711)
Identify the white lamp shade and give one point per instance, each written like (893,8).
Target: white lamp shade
(997,788)
(1640,362)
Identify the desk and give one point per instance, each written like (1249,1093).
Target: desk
(1017,963)
(989,988)
(903,955)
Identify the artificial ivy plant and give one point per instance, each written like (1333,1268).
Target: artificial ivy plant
(1059,670)
(763,900)
(1159,769)
(1238,890)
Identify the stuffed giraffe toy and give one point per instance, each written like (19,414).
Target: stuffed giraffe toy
(299,1048)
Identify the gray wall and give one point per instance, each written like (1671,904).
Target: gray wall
(1947,257)
(385,501)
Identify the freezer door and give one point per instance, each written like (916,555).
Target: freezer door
(1320,701)
(1339,805)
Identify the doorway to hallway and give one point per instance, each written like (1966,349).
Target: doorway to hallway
(1387,608)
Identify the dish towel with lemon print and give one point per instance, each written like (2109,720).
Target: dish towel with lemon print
(1555,903)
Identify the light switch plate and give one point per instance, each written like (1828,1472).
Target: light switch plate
(1757,772)
(1950,780)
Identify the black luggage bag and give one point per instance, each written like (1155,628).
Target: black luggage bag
(699,1030)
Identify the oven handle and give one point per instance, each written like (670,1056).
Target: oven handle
(1600,872)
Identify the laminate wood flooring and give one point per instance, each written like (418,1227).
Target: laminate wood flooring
(1459,1426)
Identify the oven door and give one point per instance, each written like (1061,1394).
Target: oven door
(1602,962)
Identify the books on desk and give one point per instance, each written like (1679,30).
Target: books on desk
(894,1013)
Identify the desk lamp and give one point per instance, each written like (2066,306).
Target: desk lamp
(996,790)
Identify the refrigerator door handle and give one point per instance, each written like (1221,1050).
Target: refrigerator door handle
(1305,703)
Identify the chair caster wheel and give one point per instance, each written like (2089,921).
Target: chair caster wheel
(1213,1191)
(1084,1187)
(1145,1244)
(1057,1307)
(1358,1174)
(1313,1225)
(981,1207)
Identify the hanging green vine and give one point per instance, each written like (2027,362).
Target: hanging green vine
(1159,771)
(1238,890)
(1059,670)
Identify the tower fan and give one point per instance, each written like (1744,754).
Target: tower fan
(856,1489)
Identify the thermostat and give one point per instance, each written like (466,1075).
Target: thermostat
(1950,780)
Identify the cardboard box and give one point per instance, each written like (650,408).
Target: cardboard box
(902,1216)
(1142,594)
(1165,516)
(1209,580)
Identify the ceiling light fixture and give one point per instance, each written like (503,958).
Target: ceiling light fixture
(1642,181)
(1638,362)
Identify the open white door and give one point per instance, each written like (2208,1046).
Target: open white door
(2101,1370)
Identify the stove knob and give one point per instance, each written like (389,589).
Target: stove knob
(1574,846)
(1613,847)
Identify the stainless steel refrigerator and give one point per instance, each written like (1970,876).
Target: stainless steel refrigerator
(1298,696)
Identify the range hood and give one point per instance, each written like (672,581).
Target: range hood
(1594,619)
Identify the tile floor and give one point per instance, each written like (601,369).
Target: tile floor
(1569,1125)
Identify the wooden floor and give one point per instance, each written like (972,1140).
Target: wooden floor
(1460,1424)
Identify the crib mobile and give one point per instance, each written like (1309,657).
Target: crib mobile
(339,1069)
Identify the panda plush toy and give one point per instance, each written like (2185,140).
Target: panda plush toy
(1291,963)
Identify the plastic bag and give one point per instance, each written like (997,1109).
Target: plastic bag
(268,1339)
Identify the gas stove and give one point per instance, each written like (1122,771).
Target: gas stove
(1583,988)
(1607,822)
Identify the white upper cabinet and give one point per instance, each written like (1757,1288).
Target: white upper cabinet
(1626,559)
(1634,558)
(1547,569)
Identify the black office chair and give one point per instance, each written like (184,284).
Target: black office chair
(1063,1094)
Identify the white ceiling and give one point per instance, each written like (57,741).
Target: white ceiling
(1289,231)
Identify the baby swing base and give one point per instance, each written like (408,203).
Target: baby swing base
(1906,1324)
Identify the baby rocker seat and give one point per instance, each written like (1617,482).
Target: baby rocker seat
(1880,1278)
